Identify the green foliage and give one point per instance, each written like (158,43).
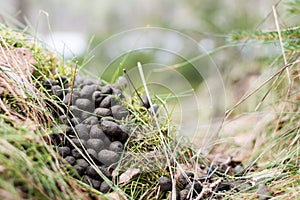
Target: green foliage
(290,38)
(293,6)
(27,166)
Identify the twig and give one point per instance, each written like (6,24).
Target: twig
(281,43)
(131,83)
(208,189)
(72,87)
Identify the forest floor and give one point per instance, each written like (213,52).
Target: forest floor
(54,147)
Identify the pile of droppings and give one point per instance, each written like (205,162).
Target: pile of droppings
(207,182)
(93,127)
(93,135)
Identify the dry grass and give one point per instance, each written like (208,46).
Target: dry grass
(30,168)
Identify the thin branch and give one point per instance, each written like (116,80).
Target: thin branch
(229,111)
(131,83)
(281,43)
(71,91)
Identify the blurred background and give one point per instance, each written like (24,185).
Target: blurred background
(188,58)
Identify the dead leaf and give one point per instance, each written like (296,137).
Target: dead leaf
(199,170)
(18,60)
(128,175)
(30,124)
(17,66)
(219,158)
(26,55)
(263,192)
(1,169)
(114,196)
